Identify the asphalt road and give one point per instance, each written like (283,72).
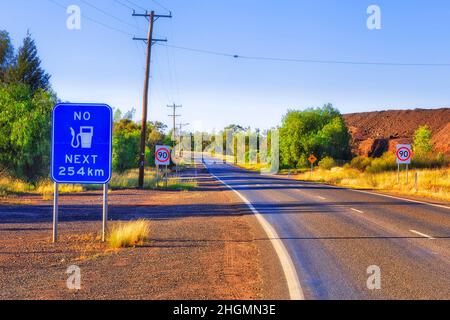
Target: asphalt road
(333,235)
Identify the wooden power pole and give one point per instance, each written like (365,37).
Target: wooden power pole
(180,133)
(174,116)
(151,17)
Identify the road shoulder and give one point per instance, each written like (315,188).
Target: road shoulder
(205,244)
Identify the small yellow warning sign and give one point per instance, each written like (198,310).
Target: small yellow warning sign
(312,159)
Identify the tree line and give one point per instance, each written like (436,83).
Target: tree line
(127,137)
(26,103)
(323,132)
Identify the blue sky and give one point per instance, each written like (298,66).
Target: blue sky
(97,64)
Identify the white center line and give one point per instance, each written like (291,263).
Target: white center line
(422,234)
(356,210)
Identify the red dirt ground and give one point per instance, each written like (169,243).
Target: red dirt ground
(205,244)
(376,132)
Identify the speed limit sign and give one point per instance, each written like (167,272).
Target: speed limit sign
(404,153)
(162,155)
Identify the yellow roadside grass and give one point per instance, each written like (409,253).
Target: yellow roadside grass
(129,234)
(433,183)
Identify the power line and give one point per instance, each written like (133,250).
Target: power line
(172,56)
(93,20)
(160,5)
(140,7)
(110,15)
(124,5)
(202,51)
(169,71)
(297,60)
(136,5)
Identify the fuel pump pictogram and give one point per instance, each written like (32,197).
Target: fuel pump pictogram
(83,139)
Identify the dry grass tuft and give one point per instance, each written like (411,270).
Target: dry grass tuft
(178,184)
(9,185)
(129,234)
(433,183)
(47,188)
(129,179)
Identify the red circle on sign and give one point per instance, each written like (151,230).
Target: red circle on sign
(409,154)
(162,149)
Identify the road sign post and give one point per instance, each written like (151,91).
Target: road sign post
(407,174)
(162,158)
(157,176)
(55,213)
(81,150)
(105,211)
(166,176)
(403,154)
(312,159)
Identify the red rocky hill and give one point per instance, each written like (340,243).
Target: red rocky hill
(377,132)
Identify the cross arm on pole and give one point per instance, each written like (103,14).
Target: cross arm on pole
(147,14)
(146,40)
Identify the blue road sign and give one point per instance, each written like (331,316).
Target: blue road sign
(81,143)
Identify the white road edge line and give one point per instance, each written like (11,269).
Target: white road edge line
(322,198)
(356,210)
(399,198)
(293,282)
(422,234)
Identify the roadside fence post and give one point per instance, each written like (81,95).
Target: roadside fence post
(416,186)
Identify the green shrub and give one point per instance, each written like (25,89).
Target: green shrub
(327,163)
(386,163)
(422,160)
(25,123)
(125,150)
(321,131)
(422,141)
(440,158)
(303,162)
(361,163)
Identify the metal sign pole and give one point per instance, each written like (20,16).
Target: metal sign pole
(166,176)
(407,173)
(55,213)
(157,175)
(398,173)
(105,211)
